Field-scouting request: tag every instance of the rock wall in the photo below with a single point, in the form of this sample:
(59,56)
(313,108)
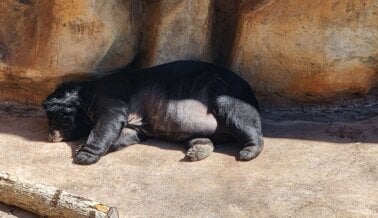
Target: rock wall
(308,51)
(291,52)
(176,30)
(45,42)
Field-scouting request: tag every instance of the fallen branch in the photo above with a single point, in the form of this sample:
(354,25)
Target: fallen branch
(49,201)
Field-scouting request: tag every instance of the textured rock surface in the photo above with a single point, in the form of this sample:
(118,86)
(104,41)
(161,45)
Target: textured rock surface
(307,169)
(43,42)
(308,50)
(291,51)
(177,30)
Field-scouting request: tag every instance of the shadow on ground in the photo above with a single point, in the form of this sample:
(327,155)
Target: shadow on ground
(364,130)
(336,132)
(11,211)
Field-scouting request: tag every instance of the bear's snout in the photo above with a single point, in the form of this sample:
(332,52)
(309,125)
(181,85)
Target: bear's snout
(54,136)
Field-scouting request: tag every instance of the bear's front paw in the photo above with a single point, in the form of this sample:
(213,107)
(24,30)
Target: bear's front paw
(85,158)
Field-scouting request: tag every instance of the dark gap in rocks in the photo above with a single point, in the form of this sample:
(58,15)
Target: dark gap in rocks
(223,29)
(26,2)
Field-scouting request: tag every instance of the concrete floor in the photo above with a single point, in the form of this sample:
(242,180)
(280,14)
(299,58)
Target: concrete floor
(306,169)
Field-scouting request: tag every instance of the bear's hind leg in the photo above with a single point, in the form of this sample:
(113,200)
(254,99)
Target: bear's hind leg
(199,148)
(242,120)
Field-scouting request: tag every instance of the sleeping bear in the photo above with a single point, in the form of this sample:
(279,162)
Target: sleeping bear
(185,101)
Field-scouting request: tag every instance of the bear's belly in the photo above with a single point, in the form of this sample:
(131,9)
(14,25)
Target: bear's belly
(178,119)
(182,119)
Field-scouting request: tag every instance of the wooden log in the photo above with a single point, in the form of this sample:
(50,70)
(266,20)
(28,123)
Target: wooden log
(49,201)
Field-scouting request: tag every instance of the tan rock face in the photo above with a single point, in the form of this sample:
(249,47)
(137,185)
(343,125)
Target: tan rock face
(177,30)
(290,51)
(41,42)
(307,50)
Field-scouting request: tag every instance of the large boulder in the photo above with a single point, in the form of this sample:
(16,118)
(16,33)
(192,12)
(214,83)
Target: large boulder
(307,51)
(44,42)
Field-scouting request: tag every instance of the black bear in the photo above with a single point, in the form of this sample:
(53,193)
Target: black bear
(187,101)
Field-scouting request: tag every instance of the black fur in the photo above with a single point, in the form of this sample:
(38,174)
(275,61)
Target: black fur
(187,101)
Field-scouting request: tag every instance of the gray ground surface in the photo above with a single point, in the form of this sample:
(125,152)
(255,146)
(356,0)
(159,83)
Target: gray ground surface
(306,169)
